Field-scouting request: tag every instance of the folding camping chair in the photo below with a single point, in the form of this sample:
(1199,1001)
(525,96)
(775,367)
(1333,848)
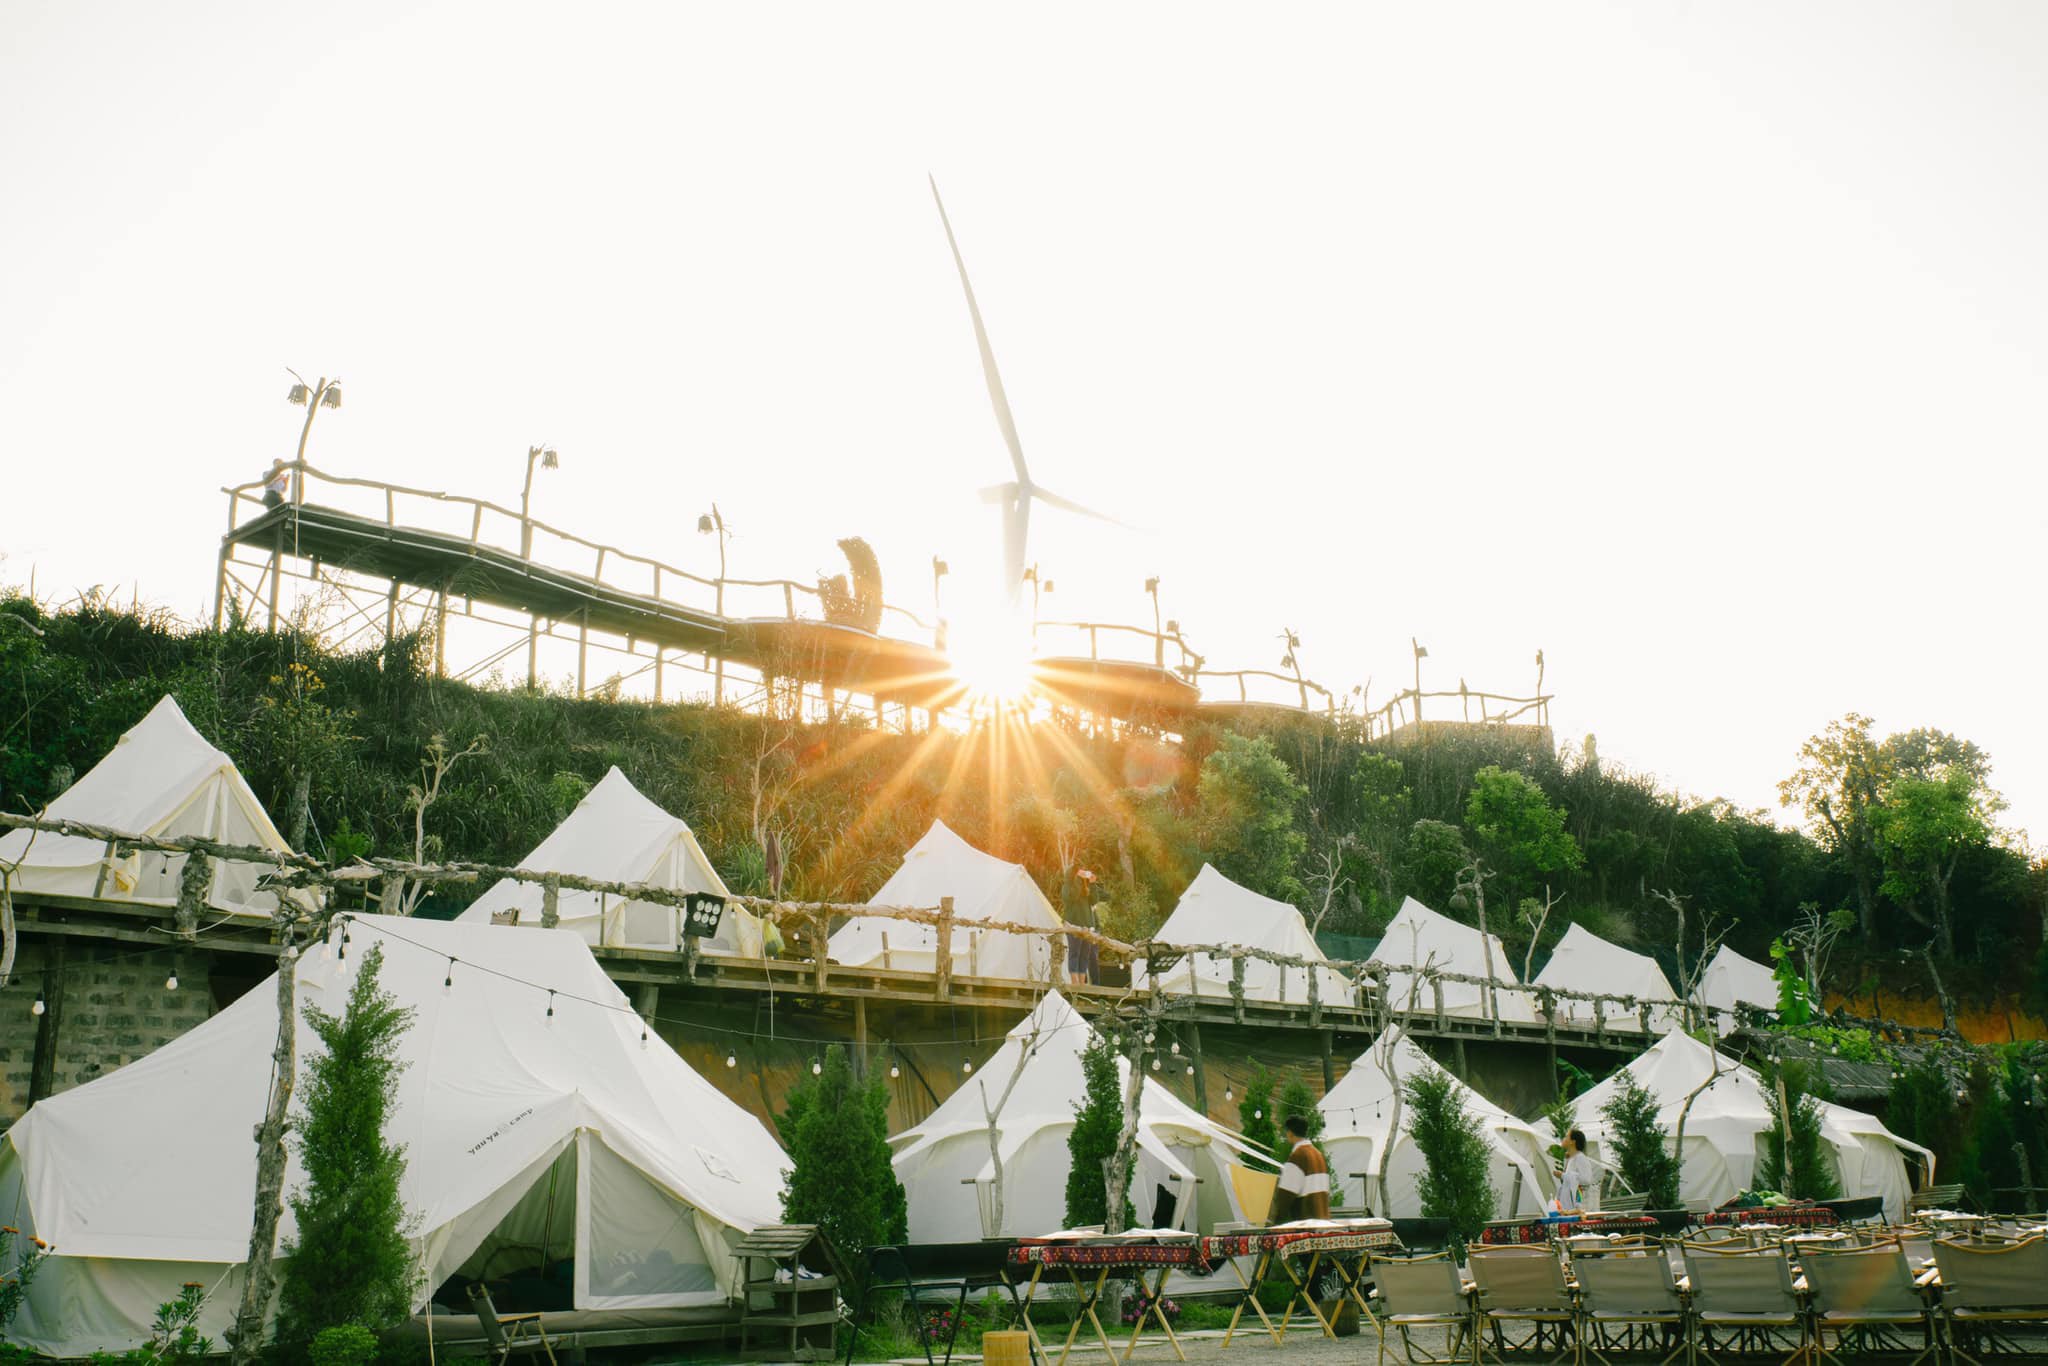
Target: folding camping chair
(1629,1290)
(507,1333)
(1865,1291)
(1526,1285)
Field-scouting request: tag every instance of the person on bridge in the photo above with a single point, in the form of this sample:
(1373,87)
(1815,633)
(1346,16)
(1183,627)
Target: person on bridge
(1077,908)
(277,485)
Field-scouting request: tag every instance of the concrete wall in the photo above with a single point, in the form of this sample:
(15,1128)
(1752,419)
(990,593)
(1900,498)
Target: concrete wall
(115,1008)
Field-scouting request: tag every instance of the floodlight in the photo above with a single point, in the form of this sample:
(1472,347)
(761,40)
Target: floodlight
(299,394)
(332,397)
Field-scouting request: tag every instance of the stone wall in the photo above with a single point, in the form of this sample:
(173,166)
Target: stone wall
(115,1007)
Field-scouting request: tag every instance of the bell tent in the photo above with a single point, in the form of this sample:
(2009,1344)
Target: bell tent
(1359,1118)
(616,834)
(982,886)
(1420,938)
(1729,1123)
(1215,910)
(535,1109)
(1732,980)
(1583,961)
(1183,1156)
(162,779)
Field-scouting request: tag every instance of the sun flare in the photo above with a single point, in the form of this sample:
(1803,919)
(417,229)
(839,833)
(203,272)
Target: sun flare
(993,663)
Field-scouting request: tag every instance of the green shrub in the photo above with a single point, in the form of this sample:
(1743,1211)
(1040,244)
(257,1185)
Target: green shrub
(1797,1160)
(837,1132)
(1295,1099)
(1642,1152)
(173,1337)
(345,1344)
(1456,1184)
(1255,1112)
(350,1262)
(1092,1141)
(14,1287)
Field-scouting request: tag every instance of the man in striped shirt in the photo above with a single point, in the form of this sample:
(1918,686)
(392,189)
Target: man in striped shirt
(1304,1189)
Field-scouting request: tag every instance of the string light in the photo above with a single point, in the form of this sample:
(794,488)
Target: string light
(1191,1069)
(551,1003)
(1176,1048)
(732,1060)
(817,1068)
(171,982)
(1155,1064)
(967,1066)
(448,980)
(894,1071)
(1228,1094)
(37,1008)
(643,1033)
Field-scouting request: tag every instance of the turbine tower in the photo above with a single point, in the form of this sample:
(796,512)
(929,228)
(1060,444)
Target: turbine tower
(1016,496)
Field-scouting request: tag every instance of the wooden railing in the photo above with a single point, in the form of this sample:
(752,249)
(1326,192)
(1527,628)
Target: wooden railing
(488,525)
(1405,709)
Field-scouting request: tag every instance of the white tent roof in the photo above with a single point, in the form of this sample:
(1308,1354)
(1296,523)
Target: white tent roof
(1215,910)
(1583,961)
(1419,937)
(1358,1119)
(1178,1146)
(618,835)
(1731,980)
(162,778)
(1724,1129)
(982,886)
(143,1179)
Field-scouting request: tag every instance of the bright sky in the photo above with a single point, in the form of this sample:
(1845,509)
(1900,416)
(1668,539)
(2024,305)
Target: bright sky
(1700,345)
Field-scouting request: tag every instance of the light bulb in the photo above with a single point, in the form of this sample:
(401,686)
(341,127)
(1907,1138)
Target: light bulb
(551,1005)
(1191,1069)
(643,1033)
(1258,1114)
(731,1060)
(37,1008)
(894,1071)
(171,982)
(967,1066)
(817,1069)
(1176,1047)
(448,980)
(1228,1094)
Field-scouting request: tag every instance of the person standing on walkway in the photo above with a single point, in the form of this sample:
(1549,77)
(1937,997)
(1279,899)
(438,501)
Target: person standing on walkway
(1077,908)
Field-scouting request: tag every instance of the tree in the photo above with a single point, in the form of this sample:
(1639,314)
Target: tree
(1518,829)
(1092,1141)
(1382,811)
(1248,800)
(1431,860)
(1255,1118)
(1795,1161)
(1455,1184)
(836,1130)
(1641,1151)
(1295,1099)
(350,1261)
(1923,829)
(1839,785)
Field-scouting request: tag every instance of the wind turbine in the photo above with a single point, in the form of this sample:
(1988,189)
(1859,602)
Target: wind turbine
(1016,496)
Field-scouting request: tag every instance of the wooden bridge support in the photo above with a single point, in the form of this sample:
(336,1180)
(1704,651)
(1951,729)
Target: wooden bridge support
(1201,1076)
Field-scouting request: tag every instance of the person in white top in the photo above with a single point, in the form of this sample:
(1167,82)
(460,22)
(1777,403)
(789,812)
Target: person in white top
(1579,1180)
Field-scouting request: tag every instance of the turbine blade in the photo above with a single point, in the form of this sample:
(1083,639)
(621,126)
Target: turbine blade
(1053,500)
(996,396)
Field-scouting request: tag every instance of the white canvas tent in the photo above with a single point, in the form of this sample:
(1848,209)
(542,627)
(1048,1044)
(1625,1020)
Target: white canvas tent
(616,834)
(1179,1151)
(162,778)
(1725,1130)
(1583,961)
(1215,910)
(982,886)
(1358,1125)
(1731,980)
(515,1123)
(1418,937)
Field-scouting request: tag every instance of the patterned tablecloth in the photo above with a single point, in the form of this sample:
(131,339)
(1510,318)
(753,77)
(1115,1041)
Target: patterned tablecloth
(1543,1230)
(1298,1242)
(1182,1254)
(1785,1216)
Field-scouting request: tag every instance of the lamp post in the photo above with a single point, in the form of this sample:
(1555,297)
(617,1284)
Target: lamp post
(1038,584)
(326,393)
(939,571)
(1158,640)
(544,457)
(712,523)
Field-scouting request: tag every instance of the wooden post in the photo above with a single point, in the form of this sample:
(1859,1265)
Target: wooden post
(885,950)
(974,953)
(1237,987)
(441,632)
(220,578)
(660,657)
(1599,1018)
(1201,1076)
(1329,1041)
(551,904)
(1436,985)
(582,651)
(820,951)
(258,1284)
(943,961)
(1315,1000)
(1458,1057)
(276,574)
(860,1037)
(42,1071)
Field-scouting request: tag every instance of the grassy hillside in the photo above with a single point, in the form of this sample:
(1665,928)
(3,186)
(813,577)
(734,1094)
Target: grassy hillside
(1300,809)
